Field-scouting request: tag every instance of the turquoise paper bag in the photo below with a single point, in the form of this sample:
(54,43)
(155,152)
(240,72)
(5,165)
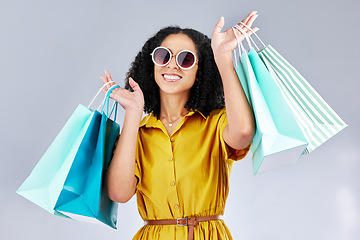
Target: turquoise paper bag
(318,121)
(46,181)
(276,127)
(269,137)
(70,173)
(288,132)
(83,196)
(302,118)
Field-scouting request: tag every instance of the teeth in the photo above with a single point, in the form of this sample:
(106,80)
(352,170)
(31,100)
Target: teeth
(173,77)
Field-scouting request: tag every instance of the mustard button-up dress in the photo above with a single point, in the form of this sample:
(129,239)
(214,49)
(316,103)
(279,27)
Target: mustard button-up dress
(184,175)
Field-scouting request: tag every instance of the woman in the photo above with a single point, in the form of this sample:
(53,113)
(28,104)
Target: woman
(178,158)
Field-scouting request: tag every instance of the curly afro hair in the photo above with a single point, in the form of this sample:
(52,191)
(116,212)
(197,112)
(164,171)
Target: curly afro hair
(207,92)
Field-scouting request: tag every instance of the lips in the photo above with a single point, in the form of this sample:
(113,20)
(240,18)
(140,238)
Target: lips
(171,77)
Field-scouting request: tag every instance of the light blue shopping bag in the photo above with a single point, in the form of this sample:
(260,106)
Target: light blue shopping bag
(276,127)
(288,97)
(83,196)
(288,134)
(75,161)
(46,181)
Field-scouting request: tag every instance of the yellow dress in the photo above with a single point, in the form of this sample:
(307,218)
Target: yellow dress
(184,175)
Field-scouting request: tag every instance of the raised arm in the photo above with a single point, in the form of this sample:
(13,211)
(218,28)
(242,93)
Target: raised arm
(241,124)
(120,180)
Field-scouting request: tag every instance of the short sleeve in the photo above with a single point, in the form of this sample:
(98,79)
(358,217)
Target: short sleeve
(228,152)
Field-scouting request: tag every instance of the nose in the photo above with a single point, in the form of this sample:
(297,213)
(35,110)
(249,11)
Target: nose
(172,63)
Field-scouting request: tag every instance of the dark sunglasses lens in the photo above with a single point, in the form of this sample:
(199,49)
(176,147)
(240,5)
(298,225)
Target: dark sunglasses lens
(186,59)
(161,56)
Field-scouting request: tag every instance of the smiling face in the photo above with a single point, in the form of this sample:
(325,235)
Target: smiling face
(170,78)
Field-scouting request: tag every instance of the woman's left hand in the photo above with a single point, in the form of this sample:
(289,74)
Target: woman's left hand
(223,44)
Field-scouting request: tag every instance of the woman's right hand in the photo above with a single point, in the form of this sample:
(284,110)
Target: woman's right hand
(133,101)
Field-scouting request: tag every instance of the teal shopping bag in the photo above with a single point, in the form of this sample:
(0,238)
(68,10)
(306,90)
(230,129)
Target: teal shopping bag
(288,132)
(270,137)
(319,122)
(46,181)
(276,127)
(69,153)
(316,119)
(83,196)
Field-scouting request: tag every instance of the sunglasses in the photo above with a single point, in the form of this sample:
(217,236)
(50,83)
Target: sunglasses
(185,59)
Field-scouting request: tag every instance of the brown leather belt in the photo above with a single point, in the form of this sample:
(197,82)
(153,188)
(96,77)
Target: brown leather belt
(191,222)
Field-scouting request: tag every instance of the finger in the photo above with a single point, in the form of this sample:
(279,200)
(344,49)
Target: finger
(251,20)
(247,31)
(248,22)
(240,32)
(254,30)
(219,25)
(249,16)
(134,85)
(105,81)
(252,13)
(108,76)
(108,79)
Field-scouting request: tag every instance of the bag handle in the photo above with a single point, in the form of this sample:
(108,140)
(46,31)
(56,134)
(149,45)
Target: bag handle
(97,94)
(107,102)
(240,46)
(254,34)
(114,107)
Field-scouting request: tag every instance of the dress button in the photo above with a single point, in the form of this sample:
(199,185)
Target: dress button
(172,183)
(172,139)
(171,159)
(176,206)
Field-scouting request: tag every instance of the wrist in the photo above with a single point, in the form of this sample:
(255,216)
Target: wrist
(134,113)
(223,60)
(224,64)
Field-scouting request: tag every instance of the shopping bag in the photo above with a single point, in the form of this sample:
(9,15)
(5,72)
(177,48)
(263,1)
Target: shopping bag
(276,127)
(46,181)
(75,140)
(270,136)
(316,118)
(289,134)
(83,196)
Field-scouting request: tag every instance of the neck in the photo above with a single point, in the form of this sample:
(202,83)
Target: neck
(172,106)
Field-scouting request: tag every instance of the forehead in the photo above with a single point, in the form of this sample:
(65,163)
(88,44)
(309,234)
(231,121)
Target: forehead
(178,42)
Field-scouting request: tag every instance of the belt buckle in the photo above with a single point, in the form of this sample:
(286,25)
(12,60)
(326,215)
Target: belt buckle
(179,224)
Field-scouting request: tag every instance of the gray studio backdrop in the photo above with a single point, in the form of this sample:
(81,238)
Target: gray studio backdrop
(53,52)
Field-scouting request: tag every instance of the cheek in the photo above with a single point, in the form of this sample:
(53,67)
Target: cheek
(157,73)
(194,72)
